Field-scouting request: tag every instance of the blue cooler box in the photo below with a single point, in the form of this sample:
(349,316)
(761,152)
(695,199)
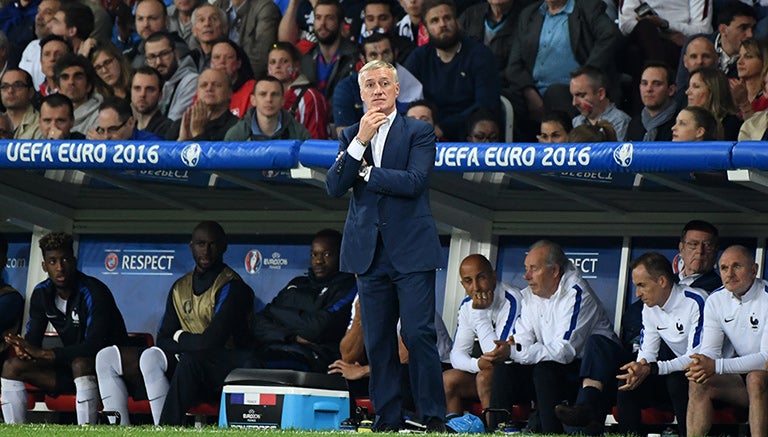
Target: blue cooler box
(263,398)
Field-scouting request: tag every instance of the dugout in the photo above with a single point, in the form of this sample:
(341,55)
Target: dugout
(605,203)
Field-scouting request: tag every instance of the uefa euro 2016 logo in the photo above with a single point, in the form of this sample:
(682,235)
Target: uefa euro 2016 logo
(622,154)
(253,261)
(190,154)
(110,262)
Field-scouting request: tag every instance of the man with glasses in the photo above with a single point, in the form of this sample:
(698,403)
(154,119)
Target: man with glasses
(75,78)
(180,78)
(57,118)
(116,122)
(698,249)
(16,93)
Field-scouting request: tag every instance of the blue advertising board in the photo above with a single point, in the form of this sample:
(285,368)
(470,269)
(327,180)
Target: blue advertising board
(141,270)
(17,266)
(596,258)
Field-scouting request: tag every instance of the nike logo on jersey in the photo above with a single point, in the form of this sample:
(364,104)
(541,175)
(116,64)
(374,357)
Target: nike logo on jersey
(727,320)
(659,328)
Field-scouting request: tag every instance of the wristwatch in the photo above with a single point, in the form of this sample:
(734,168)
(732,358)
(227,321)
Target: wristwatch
(359,141)
(364,171)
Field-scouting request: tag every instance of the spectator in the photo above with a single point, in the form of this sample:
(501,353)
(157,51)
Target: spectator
(180,77)
(699,53)
(348,106)
(488,313)
(650,380)
(116,122)
(16,94)
(738,377)
(180,20)
(146,92)
(533,68)
(453,69)
(300,329)
(334,57)
(52,48)
(17,23)
(656,30)
(208,119)
(483,127)
(298,23)
(601,132)
(152,17)
(735,23)
(231,59)
(74,23)
(425,110)
(30,58)
(550,345)
(113,69)
(411,26)
(302,100)
(12,303)
(555,127)
(267,120)
(4,53)
(221,307)
(709,89)
(378,17)
(695,123)
(654,123)
(91,322)
(589,88)
(76,79)
(752,66)
(253,26)
(57,118)
(492,22)
(209,24)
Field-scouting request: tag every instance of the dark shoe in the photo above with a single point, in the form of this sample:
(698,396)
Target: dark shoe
(575,415)
(379,427)
(436,424)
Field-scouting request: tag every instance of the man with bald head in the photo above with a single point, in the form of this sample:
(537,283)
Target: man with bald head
(737,313)
(488,313)
(699,53)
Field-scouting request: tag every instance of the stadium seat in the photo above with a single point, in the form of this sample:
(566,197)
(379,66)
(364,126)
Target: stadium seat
(509,119)
(365,403)
(203,410)
(66,402)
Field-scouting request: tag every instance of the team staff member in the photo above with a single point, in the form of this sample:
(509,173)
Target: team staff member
(207,311)
(488,312)
(390,242)
(673,314)
(559,317)
(737,313)
(11,302)
(83,312)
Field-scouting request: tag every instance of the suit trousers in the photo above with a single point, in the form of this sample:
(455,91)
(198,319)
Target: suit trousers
(386,295)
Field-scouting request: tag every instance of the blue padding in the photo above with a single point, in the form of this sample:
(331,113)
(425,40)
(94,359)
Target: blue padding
(534,157)
(168,155)
(750,154)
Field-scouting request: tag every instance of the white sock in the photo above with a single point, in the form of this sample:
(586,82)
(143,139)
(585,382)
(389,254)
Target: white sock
(114,393)
(14,401)
(153,365)
(87,400)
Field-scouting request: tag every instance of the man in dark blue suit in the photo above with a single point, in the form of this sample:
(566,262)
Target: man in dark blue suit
(390,242)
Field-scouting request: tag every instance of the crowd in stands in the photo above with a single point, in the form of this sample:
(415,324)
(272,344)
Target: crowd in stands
(634,64)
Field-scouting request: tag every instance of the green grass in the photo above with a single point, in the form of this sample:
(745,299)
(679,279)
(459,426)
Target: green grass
(49,430)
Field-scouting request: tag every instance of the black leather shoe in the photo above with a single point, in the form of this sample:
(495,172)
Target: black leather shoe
(575,415)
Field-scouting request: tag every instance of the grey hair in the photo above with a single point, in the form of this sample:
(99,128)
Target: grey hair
(375,65)
(555,254)
(222,15)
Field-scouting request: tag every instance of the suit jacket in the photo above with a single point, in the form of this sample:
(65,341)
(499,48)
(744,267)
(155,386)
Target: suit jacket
(256,22)
(594,41)
(394,202)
